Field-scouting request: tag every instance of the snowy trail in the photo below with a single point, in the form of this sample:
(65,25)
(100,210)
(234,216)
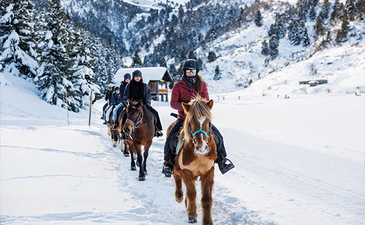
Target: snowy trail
(287,172)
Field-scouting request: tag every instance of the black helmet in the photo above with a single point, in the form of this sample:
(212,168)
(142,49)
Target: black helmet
(191,63)
(137,73)
(117,89)
(127,76)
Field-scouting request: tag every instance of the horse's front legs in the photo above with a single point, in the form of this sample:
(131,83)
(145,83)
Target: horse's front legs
(179,194)
(141,176)
(145,156)
(207,183)
(190,199)
(132,150)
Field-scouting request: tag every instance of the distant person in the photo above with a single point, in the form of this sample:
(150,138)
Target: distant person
(119,107)
(116,99)
(108,97)
(138,90)
(189,86)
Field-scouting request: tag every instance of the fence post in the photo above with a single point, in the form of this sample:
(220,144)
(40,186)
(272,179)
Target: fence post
(91,98)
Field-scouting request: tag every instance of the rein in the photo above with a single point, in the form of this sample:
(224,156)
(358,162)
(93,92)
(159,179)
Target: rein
(136,125)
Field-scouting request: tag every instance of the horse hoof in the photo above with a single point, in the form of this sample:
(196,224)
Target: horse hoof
(192,220)
(141,178)
(126,154)
(133,168)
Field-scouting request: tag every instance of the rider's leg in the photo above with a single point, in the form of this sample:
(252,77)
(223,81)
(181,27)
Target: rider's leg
(168,154)
(115,115)
(158,122)
(108,114)
(103,112)
(224,163)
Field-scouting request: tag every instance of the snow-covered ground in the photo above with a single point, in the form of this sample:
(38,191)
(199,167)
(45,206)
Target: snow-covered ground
(298,161)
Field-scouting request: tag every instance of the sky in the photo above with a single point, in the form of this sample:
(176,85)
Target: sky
(298,161)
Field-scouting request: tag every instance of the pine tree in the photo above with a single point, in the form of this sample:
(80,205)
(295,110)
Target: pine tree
(342,33)
(258,18)
(17,31)
(137,62)
(217,73)
(319,26)
(274,47)
(212,56)
(265,48)
(312,13)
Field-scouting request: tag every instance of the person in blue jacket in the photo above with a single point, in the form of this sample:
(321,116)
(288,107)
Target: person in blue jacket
(116,99)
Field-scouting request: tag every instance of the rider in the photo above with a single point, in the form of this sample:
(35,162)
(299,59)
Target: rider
(108,97)
(123,84)
(186,88)
(138,90)
(116,99)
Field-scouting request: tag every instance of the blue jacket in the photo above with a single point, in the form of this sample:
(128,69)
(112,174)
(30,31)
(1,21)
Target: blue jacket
(116,98)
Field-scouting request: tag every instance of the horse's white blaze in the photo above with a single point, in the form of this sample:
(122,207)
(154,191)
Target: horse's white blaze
(204,149)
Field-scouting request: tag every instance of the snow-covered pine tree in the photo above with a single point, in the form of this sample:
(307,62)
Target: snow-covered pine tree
(17,29)
(217,73)
(258,18)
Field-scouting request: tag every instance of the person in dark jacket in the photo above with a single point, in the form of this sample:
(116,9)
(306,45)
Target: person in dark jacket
(107,98)
(119,107)
(187,87)
(138,90)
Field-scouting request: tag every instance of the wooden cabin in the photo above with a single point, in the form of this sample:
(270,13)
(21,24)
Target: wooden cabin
(157,79)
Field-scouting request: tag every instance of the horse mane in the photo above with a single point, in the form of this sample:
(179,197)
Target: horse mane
(146,112)
(198,108)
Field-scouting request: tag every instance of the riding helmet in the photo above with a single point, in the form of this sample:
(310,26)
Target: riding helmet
(127,76)
(137,73)
(191,63)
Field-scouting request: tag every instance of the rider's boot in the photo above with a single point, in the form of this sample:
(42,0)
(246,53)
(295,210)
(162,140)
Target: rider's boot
(167,168)
(158,133)
(225,165)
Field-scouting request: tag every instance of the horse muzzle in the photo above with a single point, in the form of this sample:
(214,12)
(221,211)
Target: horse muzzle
(202,150)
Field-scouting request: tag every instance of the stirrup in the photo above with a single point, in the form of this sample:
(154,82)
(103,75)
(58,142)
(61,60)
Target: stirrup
(167,171)
(225,166)
(115,126)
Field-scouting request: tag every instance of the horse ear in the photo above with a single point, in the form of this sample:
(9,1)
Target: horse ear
(139,104)
(186,107)
(210,103)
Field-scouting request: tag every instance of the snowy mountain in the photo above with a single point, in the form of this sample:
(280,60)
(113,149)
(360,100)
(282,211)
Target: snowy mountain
(238,60)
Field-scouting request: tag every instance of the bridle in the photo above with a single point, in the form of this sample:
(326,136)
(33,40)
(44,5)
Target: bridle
(207,135)
(138,122)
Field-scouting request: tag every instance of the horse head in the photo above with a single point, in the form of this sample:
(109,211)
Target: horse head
(197,125)
(134,112)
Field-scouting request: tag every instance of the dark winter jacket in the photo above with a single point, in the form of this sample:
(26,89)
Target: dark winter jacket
(108,96)
(145,93)
(182,92)
(122,88)
(116,98)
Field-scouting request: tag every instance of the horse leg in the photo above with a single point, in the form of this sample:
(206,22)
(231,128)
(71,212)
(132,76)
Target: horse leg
(190,200)
(179,194)
(141,176)
(133,164)
(145,156)
(207,182)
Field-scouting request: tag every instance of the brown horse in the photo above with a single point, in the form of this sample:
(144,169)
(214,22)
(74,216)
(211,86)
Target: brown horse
(140,128)
(195,158)
(122,143)
(112,133)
